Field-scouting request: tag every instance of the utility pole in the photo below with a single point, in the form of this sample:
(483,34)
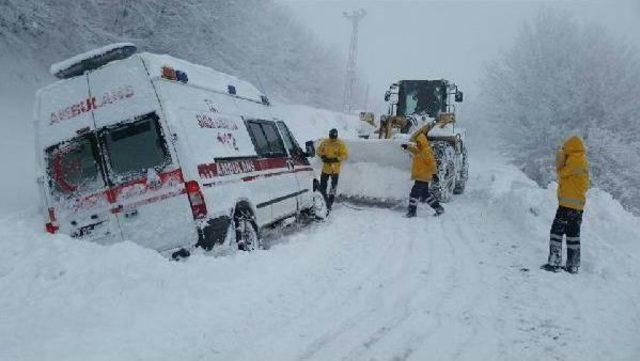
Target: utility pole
(124,15)
(354,18)
(366,99)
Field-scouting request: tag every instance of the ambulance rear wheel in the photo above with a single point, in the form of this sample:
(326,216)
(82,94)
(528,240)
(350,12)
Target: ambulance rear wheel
(247,236)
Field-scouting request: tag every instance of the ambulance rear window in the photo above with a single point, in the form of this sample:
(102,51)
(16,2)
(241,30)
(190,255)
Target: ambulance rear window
(133,148)
(72,166)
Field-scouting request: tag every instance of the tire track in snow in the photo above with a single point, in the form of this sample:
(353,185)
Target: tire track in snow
(402,275)
(475,276)
(459,287)
(410,263)
(364,284)
(442,284)
(459,296)
(382,268)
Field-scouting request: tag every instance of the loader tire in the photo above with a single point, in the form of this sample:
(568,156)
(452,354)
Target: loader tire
(463,173)
(445,181)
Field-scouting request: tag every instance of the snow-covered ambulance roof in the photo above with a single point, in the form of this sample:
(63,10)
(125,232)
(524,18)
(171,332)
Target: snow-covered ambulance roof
(202,76)
(198,75)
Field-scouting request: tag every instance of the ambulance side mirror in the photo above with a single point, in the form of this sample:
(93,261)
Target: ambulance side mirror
(310,149)
(459,96)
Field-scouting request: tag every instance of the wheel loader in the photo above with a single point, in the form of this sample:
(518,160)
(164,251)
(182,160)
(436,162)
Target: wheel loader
(414,107)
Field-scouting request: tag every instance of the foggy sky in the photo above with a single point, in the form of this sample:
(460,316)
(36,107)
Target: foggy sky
(451,40)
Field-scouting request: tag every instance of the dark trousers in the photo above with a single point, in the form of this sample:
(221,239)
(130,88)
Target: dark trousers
(420,192)
(567,223)
(324,177)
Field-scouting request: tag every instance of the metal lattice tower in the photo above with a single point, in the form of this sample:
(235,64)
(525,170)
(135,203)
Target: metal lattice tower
(355,18)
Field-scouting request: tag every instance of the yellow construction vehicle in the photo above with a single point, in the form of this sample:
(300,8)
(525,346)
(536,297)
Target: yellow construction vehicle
(416,106)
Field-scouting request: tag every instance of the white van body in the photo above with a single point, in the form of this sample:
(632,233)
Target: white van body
(127,152)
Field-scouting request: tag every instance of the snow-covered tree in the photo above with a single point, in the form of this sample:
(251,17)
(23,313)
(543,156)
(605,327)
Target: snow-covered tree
(560,78)
(257,40)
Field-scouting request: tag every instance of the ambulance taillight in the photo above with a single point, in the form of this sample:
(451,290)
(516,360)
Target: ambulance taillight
(196,199)
(52,225)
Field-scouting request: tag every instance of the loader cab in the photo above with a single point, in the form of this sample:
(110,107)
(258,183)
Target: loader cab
(426,97)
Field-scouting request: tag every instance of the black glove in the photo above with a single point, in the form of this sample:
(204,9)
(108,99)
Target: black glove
(404,145)
(332,160)
(325,159)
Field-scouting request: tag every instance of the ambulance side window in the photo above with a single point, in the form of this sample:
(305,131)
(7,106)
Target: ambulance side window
(266,139)
(292,145)
(273,137)
(258,137)
(288,142)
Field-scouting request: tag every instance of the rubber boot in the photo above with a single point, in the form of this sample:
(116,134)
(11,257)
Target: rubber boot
(330,200)
(412,211)
(573,255)
(555,256)
(572,269)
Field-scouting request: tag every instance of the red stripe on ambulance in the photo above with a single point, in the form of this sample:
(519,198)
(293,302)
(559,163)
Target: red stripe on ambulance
(225,167)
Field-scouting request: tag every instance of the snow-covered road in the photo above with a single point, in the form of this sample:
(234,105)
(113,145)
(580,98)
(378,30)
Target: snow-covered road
(365,285)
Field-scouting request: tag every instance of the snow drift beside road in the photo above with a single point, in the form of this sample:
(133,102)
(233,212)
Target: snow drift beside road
(365,285)
(308,123)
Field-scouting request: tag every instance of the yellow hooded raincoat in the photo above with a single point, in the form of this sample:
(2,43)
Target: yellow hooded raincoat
(333,149)
(424,163)
(573,174)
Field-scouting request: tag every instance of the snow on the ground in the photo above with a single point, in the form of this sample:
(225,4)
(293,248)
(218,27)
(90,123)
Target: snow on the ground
(365,285)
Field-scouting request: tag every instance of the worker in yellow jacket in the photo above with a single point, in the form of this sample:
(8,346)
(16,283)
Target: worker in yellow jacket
(333,152)
(573,182)
(423,168)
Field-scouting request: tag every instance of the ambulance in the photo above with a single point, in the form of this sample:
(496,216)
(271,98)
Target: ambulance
(165,153)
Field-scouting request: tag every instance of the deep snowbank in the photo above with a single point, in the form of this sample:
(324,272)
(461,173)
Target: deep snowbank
(366,284)
(308,123)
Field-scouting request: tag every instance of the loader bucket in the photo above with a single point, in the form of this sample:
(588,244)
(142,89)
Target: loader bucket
(383,152)
(377,173)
